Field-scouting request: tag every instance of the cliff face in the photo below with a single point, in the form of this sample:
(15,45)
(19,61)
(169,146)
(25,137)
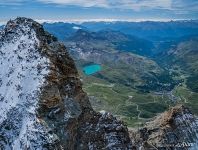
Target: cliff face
(175,129)
(42,104)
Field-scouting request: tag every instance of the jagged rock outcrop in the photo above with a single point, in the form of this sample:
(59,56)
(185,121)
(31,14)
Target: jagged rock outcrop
(176,129)
(42,104)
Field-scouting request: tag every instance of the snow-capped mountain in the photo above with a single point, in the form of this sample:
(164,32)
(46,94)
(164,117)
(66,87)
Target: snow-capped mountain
(22,75)
(42,104)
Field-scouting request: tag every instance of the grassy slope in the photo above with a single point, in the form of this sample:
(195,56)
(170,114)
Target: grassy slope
(109,91)
(119,98)
(183,61)
(123,101)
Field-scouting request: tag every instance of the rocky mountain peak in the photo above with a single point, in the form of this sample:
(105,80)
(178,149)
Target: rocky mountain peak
(173,129)
(42,104)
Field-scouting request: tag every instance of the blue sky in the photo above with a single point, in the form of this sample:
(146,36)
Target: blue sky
(99,9)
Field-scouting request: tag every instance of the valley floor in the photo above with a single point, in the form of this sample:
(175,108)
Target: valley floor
(131,105)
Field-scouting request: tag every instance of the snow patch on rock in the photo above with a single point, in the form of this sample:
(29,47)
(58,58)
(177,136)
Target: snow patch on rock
(22,75)
(77,28)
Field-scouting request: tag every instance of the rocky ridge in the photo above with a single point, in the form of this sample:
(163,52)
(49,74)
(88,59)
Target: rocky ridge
(42,104)
(175,129)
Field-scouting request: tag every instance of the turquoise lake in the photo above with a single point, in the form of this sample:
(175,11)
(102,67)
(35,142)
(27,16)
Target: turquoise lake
(91,69)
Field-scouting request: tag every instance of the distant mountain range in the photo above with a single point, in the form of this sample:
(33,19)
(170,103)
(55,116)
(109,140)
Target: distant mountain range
(163,35)
(147,29)
(146,66)
(1,27)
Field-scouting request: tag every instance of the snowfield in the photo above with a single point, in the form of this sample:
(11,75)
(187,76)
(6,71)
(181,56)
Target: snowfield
(22,74)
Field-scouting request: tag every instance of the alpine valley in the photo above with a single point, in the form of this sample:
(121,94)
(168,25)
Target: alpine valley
(147,67)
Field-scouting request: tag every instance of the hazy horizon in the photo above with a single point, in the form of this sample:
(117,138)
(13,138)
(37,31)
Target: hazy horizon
(80,21)
(137,10)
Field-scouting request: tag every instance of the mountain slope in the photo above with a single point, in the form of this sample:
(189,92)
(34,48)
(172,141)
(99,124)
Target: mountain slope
(148,29)
(107,40)
(1,27)
(42,104)
(184,56)
(62,30)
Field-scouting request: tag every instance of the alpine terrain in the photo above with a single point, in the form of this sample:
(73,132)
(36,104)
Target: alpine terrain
(43,105)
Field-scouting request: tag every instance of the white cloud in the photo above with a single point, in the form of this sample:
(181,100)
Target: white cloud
(11,2)
(80,21)
(137,5)
(123,4)
(83,3)
(191,5)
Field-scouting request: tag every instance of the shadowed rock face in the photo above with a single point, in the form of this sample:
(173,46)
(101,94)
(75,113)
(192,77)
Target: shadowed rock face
(42,104)
(175,129)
